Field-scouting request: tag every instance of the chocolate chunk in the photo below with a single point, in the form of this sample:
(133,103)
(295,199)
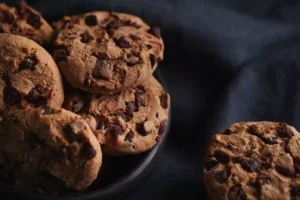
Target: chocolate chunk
(135,37)
(86,37)
(61,54)
(155,31)
(115,24)
(164,101)
(103,56)
(140,128)
(139,100)
(284,131)
(69,133)
(227,131)
(34,94)
(14,29)
(153,59)
(8,17)
(129,137)
(253,129)
(101,122)
(126,117)
(271,140)
(251,165)
(74,103)
(87,81)
(121,42)
(69,24)
(11,96)
(34,20)
(162,128)
(91,20)
(283,169)
(88,151)
(47,110)
(104,69)
(210,162)
(236,192)
(221,175)
(130,107)
(116,130)
(149,46)
(222,156)
(28,62)
(295,191)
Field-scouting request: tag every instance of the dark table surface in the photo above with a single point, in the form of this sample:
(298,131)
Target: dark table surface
(225,62)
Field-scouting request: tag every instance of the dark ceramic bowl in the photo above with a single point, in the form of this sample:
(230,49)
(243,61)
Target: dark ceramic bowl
(118,175)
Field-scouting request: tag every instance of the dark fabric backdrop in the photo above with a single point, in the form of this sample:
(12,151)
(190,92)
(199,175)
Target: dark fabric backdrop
(226,61)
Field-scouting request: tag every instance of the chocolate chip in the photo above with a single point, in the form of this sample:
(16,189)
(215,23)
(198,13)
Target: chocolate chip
(69,133)
(74,102)
(91,20)
(227,131)
(222,156)
(130,107)
(1,30)
(139,100)
(11,96)
(271,140)
(86,37)
(284,131)
(135,37)
(47,110)
(232,147)
(132,60)
(88,151)
(104,69)
(295,191)
(253,129)
(221,175)
(61,54)
(236,192)
(115,24)
(126,117)
(34,94)
(28,62)
(162,128)
(149,46)
(101,123)
(34,20)
(155,31)
(251,165)
(129,137)
(210,162)
(69,24)
(140,128)
(164,101)
(6,78)
(34,142)
(116,130)
(153,59)
(121,42)
(134,24)
(103,56)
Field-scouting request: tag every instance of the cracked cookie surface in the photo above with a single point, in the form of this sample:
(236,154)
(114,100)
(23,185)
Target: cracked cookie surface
(254,160)
(29,76)
(105,53)
(25,21)
(48,150)
(129,122)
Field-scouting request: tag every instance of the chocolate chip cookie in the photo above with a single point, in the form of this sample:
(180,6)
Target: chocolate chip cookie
(29,76)
(105,53)
(254,160)
(129,122)
(48,150)
(25,21)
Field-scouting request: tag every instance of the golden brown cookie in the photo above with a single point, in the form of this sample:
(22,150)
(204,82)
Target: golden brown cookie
(25,21)
(48,150)
(254,160)
(29,76)
(105,53)
(129,122)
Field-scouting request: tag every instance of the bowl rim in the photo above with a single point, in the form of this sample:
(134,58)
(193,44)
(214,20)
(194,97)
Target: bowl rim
(121,185)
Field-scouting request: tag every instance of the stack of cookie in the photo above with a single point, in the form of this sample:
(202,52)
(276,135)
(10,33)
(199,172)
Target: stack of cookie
(53,129)
(254,160)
